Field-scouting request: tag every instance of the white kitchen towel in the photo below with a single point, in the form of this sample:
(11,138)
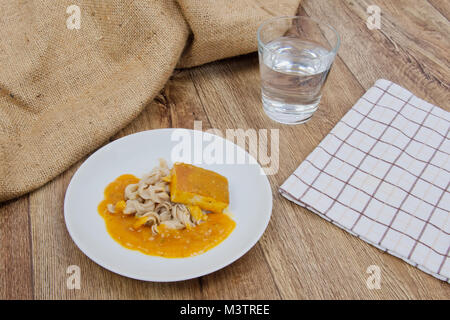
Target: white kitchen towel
(383,174)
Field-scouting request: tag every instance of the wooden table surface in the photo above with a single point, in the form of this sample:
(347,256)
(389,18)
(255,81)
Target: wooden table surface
(300,256)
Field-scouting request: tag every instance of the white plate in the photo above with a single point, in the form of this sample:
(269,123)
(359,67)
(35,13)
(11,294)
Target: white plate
(250,204)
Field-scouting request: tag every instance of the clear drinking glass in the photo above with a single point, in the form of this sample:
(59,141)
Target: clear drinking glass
(295,56)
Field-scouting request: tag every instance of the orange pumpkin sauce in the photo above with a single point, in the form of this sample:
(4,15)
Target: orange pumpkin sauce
(167,243)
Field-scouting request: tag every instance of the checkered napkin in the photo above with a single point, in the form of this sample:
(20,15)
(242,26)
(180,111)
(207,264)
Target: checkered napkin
(383,174)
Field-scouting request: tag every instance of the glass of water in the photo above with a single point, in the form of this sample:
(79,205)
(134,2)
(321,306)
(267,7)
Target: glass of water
(295,56)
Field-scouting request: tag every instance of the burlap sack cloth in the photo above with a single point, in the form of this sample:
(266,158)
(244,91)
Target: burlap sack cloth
(64,92)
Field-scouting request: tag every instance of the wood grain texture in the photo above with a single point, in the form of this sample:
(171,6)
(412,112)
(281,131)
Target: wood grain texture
(300,256)
(442,6)
(16,267)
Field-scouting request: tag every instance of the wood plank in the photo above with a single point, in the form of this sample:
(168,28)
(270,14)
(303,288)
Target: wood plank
(410,48)
(16,281)
(248,278)
(442,6)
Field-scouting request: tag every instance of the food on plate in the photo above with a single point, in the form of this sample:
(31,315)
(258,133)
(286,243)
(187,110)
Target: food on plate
(172,213)
(196,186)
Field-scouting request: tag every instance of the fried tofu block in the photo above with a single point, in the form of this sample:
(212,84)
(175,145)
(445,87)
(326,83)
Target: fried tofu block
(196,186)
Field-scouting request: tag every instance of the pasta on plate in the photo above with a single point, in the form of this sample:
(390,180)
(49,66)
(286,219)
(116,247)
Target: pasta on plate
(144,215)
(149,200)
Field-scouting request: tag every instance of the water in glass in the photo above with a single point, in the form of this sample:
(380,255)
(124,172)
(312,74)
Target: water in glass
(293,72)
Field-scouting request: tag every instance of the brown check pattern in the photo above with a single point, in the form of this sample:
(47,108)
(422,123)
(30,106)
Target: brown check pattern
(383,174)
